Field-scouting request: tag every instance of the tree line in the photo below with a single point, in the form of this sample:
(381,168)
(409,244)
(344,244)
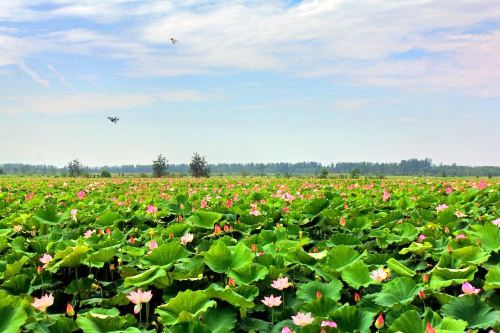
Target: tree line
(199,167)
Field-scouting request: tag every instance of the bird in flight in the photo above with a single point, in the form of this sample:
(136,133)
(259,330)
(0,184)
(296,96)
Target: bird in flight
(173,40)
(114,119)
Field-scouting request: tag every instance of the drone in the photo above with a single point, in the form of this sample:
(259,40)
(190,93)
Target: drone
(114,119)
(173,40)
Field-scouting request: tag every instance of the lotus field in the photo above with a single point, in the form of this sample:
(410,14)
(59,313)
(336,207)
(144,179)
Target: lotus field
(408,255)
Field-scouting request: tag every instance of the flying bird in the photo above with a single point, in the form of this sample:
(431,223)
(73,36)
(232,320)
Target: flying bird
(173,40)
(114,119)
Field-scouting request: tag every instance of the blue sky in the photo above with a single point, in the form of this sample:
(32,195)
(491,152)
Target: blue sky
(321,80)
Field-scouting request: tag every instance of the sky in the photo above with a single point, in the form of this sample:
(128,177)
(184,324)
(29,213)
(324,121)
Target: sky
(249,81)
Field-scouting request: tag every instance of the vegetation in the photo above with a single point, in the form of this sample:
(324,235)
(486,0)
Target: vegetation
(105,174)
(411,167)
(75,168)
(160,167)
(199,167)
(336,255)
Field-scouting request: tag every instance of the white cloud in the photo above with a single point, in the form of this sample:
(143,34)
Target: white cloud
(34,75)
(96,102)
(356,41)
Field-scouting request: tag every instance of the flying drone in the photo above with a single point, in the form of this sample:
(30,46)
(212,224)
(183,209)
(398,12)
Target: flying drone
(114,119)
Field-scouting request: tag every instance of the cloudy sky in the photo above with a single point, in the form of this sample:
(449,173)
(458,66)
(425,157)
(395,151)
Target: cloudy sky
(260,80)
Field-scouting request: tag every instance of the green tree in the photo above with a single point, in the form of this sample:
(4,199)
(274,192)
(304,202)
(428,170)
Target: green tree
(105,174)
(75,168)
(261,169)
(199,166)
(2,172)
(355,173)
(160,167)
(323,174)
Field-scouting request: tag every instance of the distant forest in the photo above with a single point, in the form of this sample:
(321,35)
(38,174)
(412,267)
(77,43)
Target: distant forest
(410,167)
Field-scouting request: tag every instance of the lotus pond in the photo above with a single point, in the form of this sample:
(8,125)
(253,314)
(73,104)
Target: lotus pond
(408,255)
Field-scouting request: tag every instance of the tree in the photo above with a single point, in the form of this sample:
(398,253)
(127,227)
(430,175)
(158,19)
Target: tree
(75,168)
(355,173)
(160,167)
(323,174)
(261,169)
(199,166)
(2,172)
(105,174)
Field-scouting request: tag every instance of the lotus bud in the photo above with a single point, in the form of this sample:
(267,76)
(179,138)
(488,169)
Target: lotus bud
(231,282)
(171,235)
(379,323)
(421,294)
(70,311)
(357,298)
(425,278)
(39,269)
(254,247)
(318,294)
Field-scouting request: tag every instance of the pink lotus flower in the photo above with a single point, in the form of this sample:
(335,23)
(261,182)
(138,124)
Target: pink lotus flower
(153,245)
(204,204)
(496,222)
(43,302)
(441,207)
(73,214)
(385,195)
(88,233)
(449,190)
(272,301)
(459,214)
(302,319)
(286,330)
(281,283)
(81,195)
(45,259)
(151,209)
(285,210)
(380,274)
(421,237)
(481,185)
(460,236)
(254,211)
(187,238)
(326,323)
(469,289)
(229,203)
(138,297)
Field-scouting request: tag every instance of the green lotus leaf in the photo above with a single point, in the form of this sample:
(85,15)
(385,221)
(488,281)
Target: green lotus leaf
(401,290)
(221,259)
(444,277)
(204,219)
(450,325)
(101,321)
(492,278)
(191,327)
(248,273)
(145,278)
(471,255)
(167,254)
(489,236)
(408,322)
(417,248)
(186,306)
(70,257)
(12,314)
(102,256)
(308,291)
(357,275)
(108,219)
(19,284)
(220,320)
(399,268)
(314,207)
(471,309)
(340,257)
(238,297)
(15,267)
(321,307)
(351,318)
